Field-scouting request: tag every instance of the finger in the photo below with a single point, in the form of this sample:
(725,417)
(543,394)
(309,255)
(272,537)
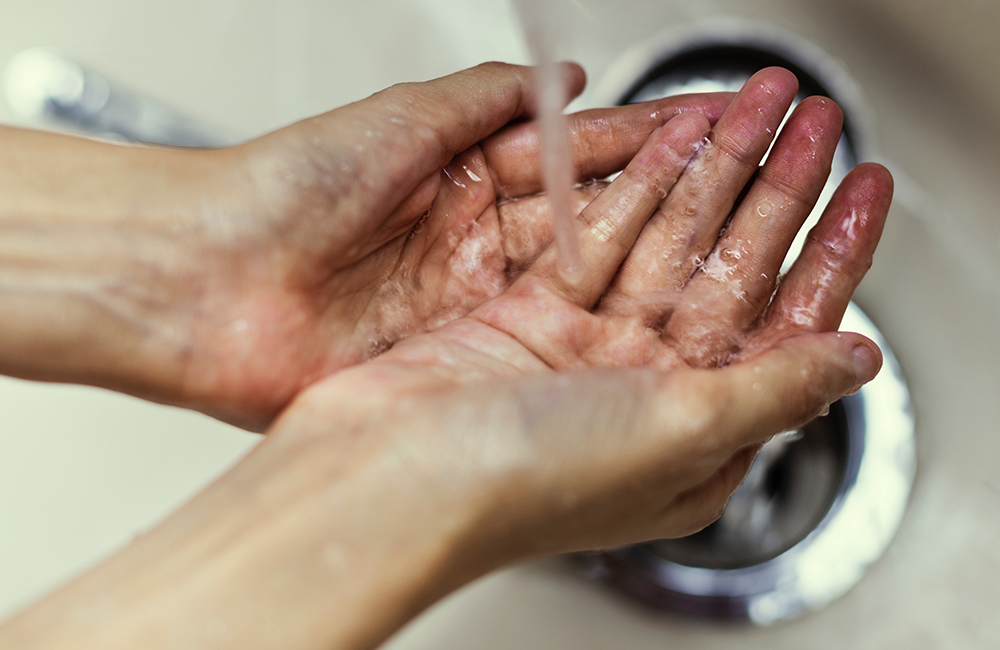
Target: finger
(602,140)
(393,140)
(686,227)
(613,220)
(788,385)
(737,279)
(455,112)
(526,225)
(701,506)
(838,252)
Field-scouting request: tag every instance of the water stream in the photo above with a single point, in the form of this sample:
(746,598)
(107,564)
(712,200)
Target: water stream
(541,21)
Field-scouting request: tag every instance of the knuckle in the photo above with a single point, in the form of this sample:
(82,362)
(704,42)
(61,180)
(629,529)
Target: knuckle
(796,192)
(645,177)
(495,66)
(739,152)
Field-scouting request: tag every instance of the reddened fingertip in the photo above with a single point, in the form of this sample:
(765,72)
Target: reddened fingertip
(866,366)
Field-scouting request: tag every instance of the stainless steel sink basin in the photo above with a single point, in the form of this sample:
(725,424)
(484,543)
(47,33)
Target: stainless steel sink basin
(83,471)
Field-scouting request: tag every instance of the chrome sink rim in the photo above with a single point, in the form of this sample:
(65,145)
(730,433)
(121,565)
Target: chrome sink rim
(627,73)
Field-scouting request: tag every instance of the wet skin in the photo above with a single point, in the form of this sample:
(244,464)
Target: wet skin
(440,211)
(385,218)
(676,279)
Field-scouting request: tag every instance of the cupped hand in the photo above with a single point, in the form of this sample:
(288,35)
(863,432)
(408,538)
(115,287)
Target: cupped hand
(340,235)
(629,403)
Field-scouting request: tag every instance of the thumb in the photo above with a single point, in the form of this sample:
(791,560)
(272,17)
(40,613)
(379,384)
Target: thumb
(453,113)
(792,383)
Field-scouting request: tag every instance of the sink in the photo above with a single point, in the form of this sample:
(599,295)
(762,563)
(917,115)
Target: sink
(83,471)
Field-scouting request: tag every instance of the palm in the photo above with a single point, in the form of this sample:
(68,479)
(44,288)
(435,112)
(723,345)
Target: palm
(463,246)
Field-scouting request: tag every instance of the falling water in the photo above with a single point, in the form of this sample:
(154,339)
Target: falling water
(541,20)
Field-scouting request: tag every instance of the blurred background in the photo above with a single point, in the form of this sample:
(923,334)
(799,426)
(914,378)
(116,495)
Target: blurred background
(83,471)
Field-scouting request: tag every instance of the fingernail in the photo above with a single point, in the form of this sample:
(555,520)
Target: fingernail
(866,366)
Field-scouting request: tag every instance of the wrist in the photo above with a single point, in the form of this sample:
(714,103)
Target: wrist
(98,256)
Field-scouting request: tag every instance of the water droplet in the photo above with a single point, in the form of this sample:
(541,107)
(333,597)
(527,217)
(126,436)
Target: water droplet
(453,179)
(793,436)
(662,193)
(471,174)
(825,412)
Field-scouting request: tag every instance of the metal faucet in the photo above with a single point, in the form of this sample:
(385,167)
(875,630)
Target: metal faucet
(45,87)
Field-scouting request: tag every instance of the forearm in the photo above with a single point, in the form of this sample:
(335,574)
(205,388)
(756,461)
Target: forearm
(297,548)
(91,259)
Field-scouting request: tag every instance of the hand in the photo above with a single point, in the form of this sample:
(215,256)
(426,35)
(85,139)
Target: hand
(382,219)
(555,416)
(489,405)
(228,280)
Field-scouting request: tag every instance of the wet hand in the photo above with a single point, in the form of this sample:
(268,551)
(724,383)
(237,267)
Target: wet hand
(628,404)
(340,235)
(556,415)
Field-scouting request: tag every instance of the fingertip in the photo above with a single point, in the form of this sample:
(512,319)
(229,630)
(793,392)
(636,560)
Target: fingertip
(822,109)
(671,145)
(711,105)
(866,364)
(775,80)
(687,129)
(694,121)
(877,179)
(576,79)
(870,182)
(866,357)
